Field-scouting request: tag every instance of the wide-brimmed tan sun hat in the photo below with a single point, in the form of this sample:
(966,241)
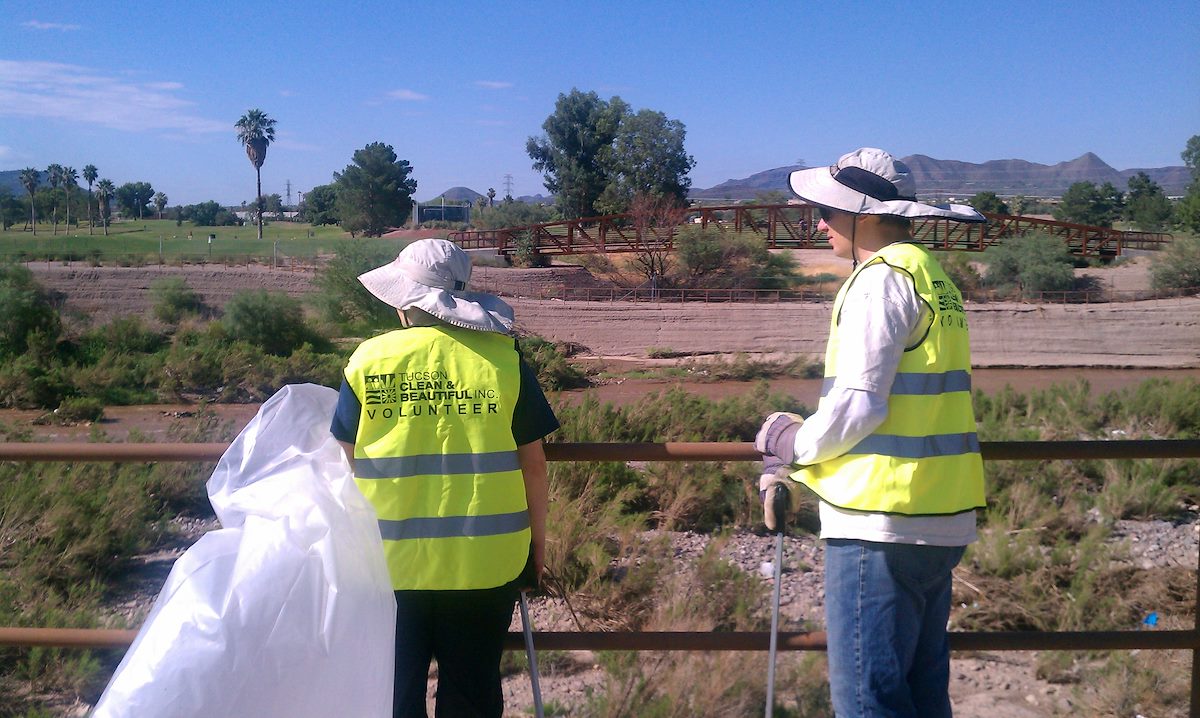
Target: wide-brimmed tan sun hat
(432,275)
(871,181)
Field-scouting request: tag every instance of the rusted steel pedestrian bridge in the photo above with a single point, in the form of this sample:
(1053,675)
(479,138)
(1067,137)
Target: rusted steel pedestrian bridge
(789,226)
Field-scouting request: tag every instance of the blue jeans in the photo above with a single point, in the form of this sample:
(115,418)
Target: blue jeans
(886,607)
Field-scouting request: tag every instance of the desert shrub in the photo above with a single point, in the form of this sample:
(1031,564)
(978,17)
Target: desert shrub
(341,298)
(206,363)
(248,375)
(174,300)
(120,379)
(549,361)
(270,320)
(1177,266)
(26,382)
(123,335)
(1030,264)
(79,408)
(27,309)
(709,257)
(525,251)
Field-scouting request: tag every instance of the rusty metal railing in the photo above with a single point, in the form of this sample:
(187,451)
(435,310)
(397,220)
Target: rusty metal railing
(683,641)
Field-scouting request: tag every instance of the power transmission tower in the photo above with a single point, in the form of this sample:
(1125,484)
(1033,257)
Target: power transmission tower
(289,193)
(508,185)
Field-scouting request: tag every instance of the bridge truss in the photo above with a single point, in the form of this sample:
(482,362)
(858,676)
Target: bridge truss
(789,226)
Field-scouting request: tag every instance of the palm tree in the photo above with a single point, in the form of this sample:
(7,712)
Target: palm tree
(104,190)
(70,180)
(255,131)
(29,180)
(54,179)
(491,196)
(90,173)
(160,201)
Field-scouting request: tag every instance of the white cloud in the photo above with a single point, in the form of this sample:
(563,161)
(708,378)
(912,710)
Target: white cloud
(287,93)
(38,25)
(407,95)
(5,152)
(494,84)
(70,93)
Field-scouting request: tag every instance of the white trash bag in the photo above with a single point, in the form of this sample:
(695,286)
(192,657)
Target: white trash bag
(288,609)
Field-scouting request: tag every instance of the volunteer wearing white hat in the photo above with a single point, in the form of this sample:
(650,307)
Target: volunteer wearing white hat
(443,422)
(891,451)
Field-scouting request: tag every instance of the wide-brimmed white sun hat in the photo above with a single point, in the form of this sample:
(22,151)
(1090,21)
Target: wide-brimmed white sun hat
(432,275)
(871,181)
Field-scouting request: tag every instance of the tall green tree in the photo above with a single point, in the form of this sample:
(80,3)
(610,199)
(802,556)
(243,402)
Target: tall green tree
(134,198)
(11,210)
(273,203)
(573,148)
(70,180)
(646,158)
(1188,211)
(374,193)
(54,179)
(1147,205)
(1191,156)
(90,173)
(256,131)
(160,203)
(320,205)
(104,193)
(1085,203)
(30,178)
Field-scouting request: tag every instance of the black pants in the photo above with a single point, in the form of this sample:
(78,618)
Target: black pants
(464,631)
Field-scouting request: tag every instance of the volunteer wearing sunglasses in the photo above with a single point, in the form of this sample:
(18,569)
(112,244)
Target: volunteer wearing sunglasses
(891,451)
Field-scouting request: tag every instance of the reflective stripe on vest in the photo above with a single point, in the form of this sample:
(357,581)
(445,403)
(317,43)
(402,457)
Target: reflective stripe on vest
(449,526)
(397,467)
(924,459)
(436,458)
(920,383)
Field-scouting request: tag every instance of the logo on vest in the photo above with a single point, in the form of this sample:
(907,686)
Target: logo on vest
(380,389)
(427,393)
(949,303)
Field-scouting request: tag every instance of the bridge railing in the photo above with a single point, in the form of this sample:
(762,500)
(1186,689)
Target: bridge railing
(789,226)
(1185,639)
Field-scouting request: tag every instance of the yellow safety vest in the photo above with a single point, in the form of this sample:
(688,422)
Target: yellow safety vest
(435,455)
(924,459)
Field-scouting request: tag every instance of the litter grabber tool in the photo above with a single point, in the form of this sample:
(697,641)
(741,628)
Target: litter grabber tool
(532,655)
(776,504)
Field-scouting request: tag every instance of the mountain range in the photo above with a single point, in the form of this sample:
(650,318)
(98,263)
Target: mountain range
(952,178)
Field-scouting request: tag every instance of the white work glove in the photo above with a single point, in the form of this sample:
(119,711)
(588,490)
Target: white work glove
(773,479)
(777,435)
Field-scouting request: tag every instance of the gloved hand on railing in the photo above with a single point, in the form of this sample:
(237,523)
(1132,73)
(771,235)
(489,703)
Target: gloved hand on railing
(773,491)
(777,435)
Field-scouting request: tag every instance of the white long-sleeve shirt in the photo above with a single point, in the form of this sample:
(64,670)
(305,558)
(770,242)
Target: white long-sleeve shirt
(880,316)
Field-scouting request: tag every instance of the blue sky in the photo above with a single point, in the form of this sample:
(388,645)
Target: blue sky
(150,91)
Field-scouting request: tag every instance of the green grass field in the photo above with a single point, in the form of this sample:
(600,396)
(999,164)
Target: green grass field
(152,241)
